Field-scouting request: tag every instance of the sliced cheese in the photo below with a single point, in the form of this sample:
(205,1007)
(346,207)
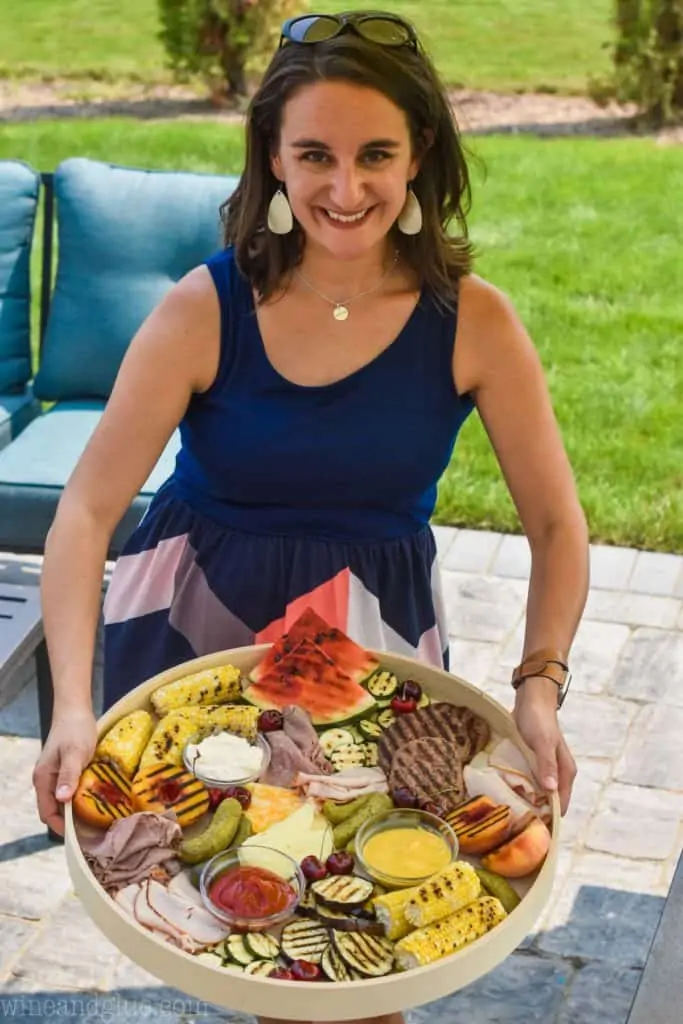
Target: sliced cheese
(305,832)
(270,804)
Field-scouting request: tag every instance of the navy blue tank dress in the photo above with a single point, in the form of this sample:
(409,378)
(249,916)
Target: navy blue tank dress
(286,496)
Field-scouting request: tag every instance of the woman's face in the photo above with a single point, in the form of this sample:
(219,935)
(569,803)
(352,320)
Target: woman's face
(345,157)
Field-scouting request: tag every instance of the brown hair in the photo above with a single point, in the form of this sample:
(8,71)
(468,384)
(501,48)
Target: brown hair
(408,78)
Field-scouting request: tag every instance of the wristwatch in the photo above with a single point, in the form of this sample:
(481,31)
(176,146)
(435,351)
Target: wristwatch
(550,664)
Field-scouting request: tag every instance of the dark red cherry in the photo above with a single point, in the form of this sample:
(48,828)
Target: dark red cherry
(410,690)
(404,797)
(340,863)
(239,793)
(434,807)
(270,721)
(313,869)
(403,707)
(303,970)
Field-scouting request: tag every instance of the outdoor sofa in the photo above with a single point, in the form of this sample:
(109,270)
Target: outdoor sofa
(124,237)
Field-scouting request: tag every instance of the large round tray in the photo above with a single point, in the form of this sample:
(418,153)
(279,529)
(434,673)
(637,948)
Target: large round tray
(318,1001)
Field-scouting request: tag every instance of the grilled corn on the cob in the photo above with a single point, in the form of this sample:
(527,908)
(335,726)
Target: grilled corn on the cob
(123,745)
(443,894)
(242,719)
(390,912)
(191,724)
(444,937)
(212,686)
(169,738)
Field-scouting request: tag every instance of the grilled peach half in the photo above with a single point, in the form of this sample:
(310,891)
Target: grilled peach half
(103,794)
(522,854)
(166,787)
(480,824)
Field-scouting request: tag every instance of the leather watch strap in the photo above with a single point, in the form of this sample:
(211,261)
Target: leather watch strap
(548,662)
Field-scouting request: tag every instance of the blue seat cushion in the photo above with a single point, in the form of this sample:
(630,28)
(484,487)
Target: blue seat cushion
(125,237)
(16,412)
(19,188)
(35,467)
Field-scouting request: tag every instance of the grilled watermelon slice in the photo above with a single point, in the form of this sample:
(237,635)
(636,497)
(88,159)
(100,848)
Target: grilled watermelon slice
(307,677)
(351,659)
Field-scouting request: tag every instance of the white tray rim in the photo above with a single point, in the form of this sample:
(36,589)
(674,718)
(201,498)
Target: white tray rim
(305,1001)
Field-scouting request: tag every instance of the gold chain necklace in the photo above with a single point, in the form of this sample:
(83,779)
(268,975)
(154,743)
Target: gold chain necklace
(340,311)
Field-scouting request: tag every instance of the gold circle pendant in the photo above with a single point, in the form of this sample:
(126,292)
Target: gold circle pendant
(340,313)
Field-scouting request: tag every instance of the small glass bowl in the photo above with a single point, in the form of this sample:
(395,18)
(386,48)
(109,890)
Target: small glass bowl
(193,767)
(403,818)
(278,863)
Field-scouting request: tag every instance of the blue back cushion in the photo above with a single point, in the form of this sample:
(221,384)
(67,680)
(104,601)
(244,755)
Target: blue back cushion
(19,188)
(125,237)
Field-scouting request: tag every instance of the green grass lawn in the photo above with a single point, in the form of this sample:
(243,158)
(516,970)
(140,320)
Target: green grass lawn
(483,44)
(580,233)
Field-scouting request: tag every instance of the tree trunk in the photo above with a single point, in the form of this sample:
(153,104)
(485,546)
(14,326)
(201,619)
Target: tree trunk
(234,55)
(628,19)
(669,29)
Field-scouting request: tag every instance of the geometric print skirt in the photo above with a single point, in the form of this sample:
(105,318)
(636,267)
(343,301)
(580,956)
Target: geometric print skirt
(186,586)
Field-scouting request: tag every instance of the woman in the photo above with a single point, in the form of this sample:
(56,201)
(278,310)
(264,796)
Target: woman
(320,369)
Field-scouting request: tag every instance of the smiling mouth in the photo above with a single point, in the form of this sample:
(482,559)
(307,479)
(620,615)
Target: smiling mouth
(347,218)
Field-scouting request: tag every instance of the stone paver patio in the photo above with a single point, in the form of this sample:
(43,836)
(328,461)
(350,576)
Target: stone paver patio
(620,841)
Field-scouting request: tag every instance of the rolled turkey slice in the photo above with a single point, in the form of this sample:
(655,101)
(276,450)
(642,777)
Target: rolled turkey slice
(126,897)
(148,918)
(198,924)
(180,885)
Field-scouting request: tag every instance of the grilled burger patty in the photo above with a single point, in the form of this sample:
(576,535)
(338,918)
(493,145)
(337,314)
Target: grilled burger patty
(464,730)
(432,769)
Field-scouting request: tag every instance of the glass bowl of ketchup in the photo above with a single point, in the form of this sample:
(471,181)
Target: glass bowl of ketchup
(252,888)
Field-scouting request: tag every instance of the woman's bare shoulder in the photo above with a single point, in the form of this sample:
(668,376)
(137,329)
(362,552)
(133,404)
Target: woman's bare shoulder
(189,317)
(489,328)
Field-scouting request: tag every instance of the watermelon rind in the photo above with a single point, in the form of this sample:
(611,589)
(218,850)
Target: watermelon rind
(361,707)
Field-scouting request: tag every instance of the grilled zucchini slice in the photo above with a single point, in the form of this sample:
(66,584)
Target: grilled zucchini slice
(349,755)
(371,754)
(260,968)
(237,951)
(304,940)
(261,945)
(371,956)
(333,738)
(386,718)
(370,729)
(333,966)
(343,892)
(383,684)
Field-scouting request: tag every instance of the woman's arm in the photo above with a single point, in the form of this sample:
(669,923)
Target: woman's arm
(496,361)
(174,354)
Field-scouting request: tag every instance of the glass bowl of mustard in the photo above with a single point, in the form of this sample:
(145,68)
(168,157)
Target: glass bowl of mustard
(405,847)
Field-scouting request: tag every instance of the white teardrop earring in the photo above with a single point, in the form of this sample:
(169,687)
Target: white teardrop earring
(280,219)
(410,218)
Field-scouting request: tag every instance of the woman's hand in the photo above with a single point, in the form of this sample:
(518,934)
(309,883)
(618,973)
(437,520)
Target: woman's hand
(68,749)
(535,714)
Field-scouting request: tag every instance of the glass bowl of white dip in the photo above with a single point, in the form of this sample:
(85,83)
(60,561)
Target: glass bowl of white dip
(224,759)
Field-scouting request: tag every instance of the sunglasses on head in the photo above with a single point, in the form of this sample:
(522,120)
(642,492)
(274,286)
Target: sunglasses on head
(383,29)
